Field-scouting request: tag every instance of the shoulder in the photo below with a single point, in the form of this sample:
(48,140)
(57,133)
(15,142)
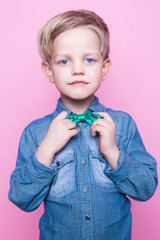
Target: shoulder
(40,122)
(37,129)
(119,115)
(116,114)
(123,120)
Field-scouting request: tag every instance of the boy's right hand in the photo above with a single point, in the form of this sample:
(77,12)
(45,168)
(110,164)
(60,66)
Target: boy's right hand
(59,133)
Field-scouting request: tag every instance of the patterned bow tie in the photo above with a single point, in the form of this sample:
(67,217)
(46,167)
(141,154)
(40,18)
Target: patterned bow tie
(88,117)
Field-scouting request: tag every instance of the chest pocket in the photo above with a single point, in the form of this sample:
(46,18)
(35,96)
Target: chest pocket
(63,182)
(99,163)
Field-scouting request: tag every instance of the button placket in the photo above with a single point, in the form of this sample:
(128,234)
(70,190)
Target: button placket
(85,186)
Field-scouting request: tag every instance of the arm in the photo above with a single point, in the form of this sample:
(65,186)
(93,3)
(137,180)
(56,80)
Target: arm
(132,169)
(136,174)
(31,179)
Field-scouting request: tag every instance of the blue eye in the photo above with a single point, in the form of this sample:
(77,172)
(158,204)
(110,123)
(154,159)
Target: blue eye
(89,60)
(64,62)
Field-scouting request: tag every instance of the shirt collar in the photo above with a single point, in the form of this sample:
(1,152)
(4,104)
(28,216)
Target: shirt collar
(94,106)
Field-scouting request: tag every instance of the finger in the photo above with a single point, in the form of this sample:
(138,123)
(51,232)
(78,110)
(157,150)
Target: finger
(105,115)
(107,124)
(73,132)
(70,124)
(62,115)
(101,122)
(96,130)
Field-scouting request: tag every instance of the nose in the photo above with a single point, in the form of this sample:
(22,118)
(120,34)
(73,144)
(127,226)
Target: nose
(78,68)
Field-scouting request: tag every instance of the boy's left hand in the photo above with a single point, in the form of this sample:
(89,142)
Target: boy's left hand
(106,128)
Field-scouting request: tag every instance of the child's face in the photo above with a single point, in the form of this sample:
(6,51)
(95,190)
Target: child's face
(77,67)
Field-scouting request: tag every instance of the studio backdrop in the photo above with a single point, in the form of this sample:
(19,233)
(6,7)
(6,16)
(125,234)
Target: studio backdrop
(133,86)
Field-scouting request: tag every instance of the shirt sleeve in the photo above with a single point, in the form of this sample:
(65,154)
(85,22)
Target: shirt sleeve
(30,181)
(136,174)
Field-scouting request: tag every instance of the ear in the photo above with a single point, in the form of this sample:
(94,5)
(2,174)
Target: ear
(47,71)
(106,68)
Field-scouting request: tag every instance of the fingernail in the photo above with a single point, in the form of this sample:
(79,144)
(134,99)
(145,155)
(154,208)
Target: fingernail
(78,129)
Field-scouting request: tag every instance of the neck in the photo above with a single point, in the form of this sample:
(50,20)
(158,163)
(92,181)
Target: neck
(77,106)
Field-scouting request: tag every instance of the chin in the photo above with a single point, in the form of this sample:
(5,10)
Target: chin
(82,98)
(79,97)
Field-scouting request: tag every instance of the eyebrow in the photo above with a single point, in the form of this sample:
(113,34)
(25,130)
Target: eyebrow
(62,55)
(65,55)
(92,53)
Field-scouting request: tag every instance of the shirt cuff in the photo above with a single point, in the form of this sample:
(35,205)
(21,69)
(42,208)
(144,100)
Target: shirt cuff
(125,166)
(40,173)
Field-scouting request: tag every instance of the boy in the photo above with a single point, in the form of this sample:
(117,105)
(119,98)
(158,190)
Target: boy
(81,166)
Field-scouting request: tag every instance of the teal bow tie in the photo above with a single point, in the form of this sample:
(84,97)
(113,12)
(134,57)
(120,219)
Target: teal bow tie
(88,117)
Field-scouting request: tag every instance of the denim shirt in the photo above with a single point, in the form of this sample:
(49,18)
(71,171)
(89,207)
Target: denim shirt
(84,198)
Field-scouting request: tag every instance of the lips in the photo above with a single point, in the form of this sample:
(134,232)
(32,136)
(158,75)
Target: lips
(78,82)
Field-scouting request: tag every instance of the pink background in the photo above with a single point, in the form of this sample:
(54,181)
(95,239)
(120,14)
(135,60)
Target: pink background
(133,86)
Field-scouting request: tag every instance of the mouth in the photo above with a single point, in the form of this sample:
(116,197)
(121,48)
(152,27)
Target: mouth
(78,82)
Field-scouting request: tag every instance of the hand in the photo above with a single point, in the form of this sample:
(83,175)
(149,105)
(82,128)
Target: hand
(106,129)
(59,133)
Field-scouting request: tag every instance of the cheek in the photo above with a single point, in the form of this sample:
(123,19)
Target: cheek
(97,73)
(97,69)
(58,75)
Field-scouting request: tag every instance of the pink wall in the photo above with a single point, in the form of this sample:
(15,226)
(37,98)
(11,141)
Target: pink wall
(133,85)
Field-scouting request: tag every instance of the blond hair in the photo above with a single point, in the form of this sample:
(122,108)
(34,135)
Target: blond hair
(69,20)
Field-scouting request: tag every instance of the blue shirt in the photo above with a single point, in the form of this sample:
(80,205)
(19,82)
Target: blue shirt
(84,198)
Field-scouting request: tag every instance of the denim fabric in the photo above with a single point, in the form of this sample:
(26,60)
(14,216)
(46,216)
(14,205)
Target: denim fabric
(84,198)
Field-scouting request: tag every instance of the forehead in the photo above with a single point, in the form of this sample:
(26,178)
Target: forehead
(76,39)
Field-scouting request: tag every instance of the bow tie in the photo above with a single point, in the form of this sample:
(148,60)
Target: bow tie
(88,117)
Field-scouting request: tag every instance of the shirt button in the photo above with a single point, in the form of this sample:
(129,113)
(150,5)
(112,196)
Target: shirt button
(87,218)
(58,163)
(83,162)
(85,190)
